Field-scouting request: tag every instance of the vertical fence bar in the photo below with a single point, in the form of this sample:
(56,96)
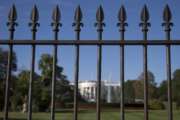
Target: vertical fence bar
(55,24)
(99,24)
(11,23)
(145,24)
(167,24)
(122,23)
(34,24)
(77,24)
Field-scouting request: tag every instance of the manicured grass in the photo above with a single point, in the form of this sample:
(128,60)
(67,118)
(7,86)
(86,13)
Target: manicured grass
(91,115)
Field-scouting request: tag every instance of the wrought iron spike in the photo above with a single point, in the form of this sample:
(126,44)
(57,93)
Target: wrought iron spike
(100,14)
(78,14)
(167,18)
(122,19)
(167,14)
(122,14)
(77,19)
(144,14)
(34,19)
(99,18)
(12,14)
(34,14)
(56,14)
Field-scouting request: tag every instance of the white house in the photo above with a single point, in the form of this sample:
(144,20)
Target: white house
(109,90)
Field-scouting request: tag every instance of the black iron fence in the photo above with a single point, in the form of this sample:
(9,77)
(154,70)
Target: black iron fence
(121,42)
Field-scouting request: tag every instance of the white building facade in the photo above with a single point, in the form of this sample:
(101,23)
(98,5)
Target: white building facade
(110,91)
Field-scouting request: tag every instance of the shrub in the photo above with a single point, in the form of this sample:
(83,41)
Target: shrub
(178,104)
(156,105)
(35,108)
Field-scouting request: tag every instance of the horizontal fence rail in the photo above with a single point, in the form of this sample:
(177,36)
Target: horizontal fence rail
(89,42)
(122,42)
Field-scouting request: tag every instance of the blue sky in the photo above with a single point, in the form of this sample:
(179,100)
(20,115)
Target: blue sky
(133,54)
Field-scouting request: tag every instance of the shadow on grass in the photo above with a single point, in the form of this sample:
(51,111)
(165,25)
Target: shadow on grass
(17,119)
(79,111)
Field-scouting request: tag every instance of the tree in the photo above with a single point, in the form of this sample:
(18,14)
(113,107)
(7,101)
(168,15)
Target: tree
(64,93)
(129,91)
(46,67)
(138,89)
(176,86)
(20,92)
(162,91)
(151,78)
(4,62)
(3,69)
(139,86)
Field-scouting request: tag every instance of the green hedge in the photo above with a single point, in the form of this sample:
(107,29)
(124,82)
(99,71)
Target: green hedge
(156,105)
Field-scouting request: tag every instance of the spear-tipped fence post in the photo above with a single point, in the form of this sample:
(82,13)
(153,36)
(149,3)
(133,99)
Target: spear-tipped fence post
(122,24)
(56,17)
(33,24)
(99,24)
(145,24)
(12,17)
(167,25)
(77,25)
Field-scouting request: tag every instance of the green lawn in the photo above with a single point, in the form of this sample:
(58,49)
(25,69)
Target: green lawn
(91,115)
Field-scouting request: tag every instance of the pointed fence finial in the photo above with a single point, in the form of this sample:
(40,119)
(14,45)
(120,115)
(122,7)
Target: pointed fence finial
(78,14)
(100,14)
(34,19)
(144,14)
(100,18)
(56,17)
(77,19)
(144,19)
(12,14)
(12,17)
(167,16)
(122,18)
(34,14)
(122,14)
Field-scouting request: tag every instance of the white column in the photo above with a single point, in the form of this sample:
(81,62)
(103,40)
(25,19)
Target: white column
(109,94)
(92,92)
(83,92)
(86,92)
(95,90)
